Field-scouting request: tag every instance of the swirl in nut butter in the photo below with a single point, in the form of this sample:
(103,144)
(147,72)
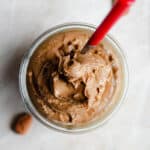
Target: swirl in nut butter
(69,87)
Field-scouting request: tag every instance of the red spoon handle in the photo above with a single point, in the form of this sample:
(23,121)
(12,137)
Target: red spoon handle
(117,11)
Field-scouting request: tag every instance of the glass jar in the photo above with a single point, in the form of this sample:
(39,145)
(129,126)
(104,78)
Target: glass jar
(109,41)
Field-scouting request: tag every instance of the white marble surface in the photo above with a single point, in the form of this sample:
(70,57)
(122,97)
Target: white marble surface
(21,21)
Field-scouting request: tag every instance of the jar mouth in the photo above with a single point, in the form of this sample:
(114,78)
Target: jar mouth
(23,70)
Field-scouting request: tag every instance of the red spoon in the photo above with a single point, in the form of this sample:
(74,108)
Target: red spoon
(117,11)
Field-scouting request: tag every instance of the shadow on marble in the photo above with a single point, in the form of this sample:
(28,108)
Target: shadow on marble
(11,74)
(10,80)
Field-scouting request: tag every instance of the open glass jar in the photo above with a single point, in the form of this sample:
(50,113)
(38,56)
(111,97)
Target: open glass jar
(109,43)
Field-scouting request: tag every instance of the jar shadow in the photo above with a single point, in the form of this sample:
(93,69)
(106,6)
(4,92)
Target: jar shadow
(11,98)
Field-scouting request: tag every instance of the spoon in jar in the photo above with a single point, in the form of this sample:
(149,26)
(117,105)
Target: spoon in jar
(120,7)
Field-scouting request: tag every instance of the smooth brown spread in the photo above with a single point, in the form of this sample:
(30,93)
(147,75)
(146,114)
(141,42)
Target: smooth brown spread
(67,86)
